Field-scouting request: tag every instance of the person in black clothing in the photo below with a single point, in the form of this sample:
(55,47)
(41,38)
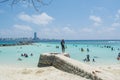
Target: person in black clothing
(63,45)
(118,57)
(88,57)
(118,54)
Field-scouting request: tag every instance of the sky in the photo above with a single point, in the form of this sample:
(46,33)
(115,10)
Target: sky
(62,19)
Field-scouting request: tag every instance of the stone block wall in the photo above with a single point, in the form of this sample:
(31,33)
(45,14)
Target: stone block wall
(48,59)
(66,64)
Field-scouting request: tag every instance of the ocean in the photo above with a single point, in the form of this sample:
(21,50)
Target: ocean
(104,52)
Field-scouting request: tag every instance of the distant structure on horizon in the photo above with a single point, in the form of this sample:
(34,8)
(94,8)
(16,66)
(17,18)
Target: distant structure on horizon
(35,36)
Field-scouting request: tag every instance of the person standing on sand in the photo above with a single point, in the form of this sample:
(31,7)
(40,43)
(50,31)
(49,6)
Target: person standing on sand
(63,45)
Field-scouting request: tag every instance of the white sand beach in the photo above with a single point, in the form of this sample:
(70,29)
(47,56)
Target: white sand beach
(45,73)
(112,70)
(49,73)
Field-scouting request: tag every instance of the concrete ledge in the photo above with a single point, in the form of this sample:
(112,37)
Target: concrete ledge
(60,61)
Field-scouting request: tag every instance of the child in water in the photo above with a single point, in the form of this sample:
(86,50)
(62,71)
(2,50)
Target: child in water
(118,58)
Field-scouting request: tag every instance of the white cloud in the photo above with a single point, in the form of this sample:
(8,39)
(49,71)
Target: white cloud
(117,19)
(116,24)
(87,30)
(23,27)
(111,29)
(119,11)
(117,16)
(51,32)
(25,17)
(15,32)
(68,30)
(97,10)
(106,31)
(96,19)
(57,32)
(41,19)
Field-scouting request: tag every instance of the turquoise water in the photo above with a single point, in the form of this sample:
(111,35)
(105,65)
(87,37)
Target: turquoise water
(100,50)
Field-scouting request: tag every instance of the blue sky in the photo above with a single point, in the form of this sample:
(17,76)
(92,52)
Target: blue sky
(62,19)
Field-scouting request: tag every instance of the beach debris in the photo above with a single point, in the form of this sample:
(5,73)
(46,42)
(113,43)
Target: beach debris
(27,71)
(39,71)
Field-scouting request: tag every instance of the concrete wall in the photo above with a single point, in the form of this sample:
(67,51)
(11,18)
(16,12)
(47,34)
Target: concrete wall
(67,64)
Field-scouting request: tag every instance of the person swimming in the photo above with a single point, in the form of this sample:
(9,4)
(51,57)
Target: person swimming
(82,50)
(88,50)
(19,59)
(118,57)
(31,54)
(85,60)
(88,57)
(93,60)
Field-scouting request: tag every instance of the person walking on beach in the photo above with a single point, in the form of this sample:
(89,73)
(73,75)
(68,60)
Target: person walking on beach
(63,45)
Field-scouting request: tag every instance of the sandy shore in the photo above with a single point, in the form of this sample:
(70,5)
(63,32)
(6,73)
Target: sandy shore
(49,73)
(46,73)
(114,70)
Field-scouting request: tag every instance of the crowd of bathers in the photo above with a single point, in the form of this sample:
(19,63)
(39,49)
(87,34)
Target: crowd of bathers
(25,55)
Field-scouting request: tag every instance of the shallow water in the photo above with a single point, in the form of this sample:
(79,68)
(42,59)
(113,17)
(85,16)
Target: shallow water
(100,50)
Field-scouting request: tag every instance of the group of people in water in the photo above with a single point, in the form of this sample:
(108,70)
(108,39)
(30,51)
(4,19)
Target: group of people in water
(87,59)
(25,55)
(113,49)
(110,47)
(82,50)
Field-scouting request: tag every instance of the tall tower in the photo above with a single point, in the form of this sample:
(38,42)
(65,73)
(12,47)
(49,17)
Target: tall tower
(35,36)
